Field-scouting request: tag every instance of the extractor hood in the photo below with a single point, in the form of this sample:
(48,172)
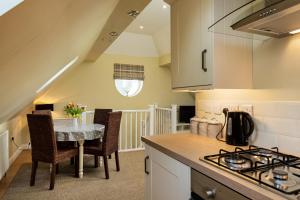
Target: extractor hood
(274,18)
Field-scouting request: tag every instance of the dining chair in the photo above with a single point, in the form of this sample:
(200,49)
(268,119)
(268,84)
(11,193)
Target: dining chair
(42,112)
(44,146)
(100,117)
(60,144)
(109,144)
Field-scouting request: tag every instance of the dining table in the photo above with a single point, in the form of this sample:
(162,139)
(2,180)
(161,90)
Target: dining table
(67,130)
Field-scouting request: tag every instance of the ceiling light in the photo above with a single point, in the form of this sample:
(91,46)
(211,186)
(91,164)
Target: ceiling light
(141,27)
(113,33)
(295,31)
(165,6)
(7,5)
(57,74)
(133,13)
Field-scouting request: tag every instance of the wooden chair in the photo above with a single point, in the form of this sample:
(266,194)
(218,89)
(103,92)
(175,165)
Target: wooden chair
(44,147)
(109,143)
(100,117)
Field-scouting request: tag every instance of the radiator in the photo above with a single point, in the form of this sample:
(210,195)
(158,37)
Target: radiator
(4,153)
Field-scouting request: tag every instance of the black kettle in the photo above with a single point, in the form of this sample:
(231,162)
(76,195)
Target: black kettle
(239,128)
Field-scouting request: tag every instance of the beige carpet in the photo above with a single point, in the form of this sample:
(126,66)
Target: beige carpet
(128,184)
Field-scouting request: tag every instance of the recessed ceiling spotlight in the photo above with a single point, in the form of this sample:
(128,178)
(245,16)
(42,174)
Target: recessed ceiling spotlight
(133,13)
(141,27)
(113,33)
(295,31)
(165,6)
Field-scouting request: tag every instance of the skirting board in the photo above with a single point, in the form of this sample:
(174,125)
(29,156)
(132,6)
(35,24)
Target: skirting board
(17,153)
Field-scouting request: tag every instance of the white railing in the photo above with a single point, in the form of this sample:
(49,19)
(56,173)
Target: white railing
(138,123)
(164,120)
(134,125)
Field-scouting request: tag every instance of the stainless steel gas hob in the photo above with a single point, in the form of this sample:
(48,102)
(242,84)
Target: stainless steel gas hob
(269,168)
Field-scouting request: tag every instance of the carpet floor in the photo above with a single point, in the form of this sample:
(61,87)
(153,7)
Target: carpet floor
(128,184)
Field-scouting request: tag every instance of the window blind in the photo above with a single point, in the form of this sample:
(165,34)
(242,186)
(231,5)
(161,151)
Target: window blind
(128,72)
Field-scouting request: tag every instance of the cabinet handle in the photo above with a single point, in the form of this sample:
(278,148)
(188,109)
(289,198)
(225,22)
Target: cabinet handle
(145,163)
(203,60)
(211,194)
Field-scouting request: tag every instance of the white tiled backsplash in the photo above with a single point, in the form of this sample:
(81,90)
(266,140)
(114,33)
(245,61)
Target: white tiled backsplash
(277,123)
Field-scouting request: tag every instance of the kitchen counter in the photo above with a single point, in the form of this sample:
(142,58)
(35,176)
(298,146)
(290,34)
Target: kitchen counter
(190,150)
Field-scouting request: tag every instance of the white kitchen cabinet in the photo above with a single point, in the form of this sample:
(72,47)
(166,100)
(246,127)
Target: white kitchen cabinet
(165,177)
(203,59)
(188,46)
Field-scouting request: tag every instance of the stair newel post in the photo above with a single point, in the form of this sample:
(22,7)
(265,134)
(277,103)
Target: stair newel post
(174,118)
(152,119)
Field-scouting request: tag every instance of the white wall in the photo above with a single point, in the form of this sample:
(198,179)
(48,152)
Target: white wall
(162,39)
(132,44)
(276,122)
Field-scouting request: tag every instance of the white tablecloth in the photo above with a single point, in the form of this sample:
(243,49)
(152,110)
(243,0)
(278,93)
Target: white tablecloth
(69,132)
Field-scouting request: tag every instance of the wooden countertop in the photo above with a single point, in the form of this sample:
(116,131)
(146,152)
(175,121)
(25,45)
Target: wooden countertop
(190,149)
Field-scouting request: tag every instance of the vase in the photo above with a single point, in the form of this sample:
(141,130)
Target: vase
(75,123)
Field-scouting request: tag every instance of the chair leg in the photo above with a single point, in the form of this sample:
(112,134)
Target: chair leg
(52,179)
(72,160)
(33,172)
(109,156)
(57,168)
(96,161)
(77,166)
(106,167)
(117,160)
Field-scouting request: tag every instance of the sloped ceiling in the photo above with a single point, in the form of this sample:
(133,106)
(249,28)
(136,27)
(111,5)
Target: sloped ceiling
(117,23)
(39,37)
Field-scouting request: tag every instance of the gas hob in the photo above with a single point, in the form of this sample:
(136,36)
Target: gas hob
(267,167)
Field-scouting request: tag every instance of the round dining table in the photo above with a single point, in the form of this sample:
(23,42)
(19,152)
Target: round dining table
(78,133)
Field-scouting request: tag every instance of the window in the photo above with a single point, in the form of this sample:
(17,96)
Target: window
(129,79)
(7,5)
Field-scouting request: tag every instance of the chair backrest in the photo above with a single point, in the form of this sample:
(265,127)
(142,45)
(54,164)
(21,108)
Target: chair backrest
(42,112)
(42,136)
(111,134)
(100,116)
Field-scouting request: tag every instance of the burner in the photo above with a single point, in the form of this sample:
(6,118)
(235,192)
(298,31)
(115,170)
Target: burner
(234,159)
(264,152)
(284,185)
(280,179)
(280,175)
(236,162)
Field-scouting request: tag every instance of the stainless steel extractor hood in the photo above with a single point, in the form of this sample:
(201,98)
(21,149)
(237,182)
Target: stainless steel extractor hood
(276,18)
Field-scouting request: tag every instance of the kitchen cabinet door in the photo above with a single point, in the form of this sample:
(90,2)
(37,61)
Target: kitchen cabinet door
(147,176)
(232,50)
(165,178)
(208,59)
(190,65)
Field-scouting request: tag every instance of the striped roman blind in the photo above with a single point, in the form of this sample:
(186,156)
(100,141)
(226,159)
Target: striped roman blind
(128,72)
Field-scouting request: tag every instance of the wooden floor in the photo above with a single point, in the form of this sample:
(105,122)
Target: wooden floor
(25,157)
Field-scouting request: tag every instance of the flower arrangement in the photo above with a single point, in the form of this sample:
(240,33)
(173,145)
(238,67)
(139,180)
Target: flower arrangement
(74,110)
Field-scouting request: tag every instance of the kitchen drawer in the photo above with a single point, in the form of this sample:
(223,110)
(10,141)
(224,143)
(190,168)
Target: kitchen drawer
(208,188)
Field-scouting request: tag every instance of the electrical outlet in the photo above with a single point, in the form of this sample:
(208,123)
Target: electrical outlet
(216,109)
(246,108)
(231,107)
